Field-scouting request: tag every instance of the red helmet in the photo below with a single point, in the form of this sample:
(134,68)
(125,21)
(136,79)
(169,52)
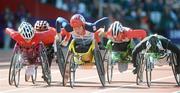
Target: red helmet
(77,20)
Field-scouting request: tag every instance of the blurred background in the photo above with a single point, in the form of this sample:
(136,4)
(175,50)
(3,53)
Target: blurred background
(155,16)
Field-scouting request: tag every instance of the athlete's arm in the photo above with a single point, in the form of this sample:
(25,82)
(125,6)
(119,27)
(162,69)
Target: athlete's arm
(63,23)
(139,34)
(101,23)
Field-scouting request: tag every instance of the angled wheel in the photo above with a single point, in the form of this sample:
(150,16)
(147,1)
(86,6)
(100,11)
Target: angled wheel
(173,62)
(11,68)
(67,69)
(140,69)
(17,70)
(148,71)
(60,58)
(99,66)
(45,64)
(72,74)
(108,65)
(12,64)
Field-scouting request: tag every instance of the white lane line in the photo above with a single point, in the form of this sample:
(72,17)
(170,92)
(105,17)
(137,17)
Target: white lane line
(19,89)
(112,89)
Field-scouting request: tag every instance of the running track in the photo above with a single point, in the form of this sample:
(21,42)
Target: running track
(87,81)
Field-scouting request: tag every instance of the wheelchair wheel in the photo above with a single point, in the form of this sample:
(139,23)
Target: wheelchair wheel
(140,69)
(72,74)
(148,71)
(11,68)
(45,65)
(108,66)
(176,76)
(67,68)
(60,58)
(17,70)
(99,66)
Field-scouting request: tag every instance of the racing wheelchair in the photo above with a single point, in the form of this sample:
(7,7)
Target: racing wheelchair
(78,55)
(112,56)
(147,60)
(19,60)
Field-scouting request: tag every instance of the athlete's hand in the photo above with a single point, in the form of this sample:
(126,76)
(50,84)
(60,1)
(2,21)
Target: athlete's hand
(101,32)
(64,43)
(58,37)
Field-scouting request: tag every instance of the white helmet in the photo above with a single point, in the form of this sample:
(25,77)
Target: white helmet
(116,28)
(41,25)
(26,30)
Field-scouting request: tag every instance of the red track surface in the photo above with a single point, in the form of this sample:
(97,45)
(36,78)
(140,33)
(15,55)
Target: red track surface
(87,81)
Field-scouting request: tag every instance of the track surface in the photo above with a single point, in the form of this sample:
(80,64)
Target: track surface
(87,81)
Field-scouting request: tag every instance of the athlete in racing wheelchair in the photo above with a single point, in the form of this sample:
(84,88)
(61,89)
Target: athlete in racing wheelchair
(29,51)
(83,48)
(119,47)
(149,51)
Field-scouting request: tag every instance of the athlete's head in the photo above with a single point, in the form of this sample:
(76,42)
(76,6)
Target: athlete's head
(77,22)
(117,30)
(26,30)
(154,43)
(41,25)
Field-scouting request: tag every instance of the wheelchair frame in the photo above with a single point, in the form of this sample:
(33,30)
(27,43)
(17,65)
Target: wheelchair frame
(146,62)
(17,63)
(109,62)
(71,64)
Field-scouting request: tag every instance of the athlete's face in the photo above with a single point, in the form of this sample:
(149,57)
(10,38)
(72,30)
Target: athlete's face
(79,30)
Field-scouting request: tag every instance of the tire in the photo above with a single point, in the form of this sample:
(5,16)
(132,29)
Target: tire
(72,74)
(107,66)
(140,69)
(60,59)
(17,70)
(45,65)
(176,76)
(67,69)
(99,66)
(11,69)
(148,71)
